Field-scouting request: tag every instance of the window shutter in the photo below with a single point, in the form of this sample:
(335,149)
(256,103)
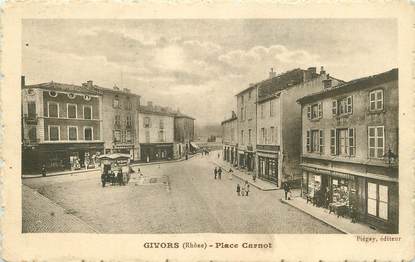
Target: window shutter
(321,141)
(334,107)
(333,142)
(350,104)
(352,141)
(309,112)
(320,110)
(308,141)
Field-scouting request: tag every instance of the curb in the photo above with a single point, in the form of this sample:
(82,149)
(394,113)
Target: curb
(97,169)
(316,217)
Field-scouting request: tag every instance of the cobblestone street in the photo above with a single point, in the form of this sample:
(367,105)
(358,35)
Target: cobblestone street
(192,202)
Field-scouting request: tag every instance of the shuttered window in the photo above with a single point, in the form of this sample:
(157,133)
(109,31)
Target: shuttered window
(352,142)
(321,142)
(333,150)
(320,110)
(308,141)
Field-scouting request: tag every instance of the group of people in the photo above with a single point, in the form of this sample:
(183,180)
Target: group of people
(218,173)
(242,190)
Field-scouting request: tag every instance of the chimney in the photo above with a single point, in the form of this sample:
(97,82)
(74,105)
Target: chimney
(150,104)
(272,73)
(23,81)
(89,83)
(126,90)
(115,87)
(322,71)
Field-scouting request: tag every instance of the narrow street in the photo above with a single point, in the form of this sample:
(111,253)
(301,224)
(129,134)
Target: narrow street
(192,202)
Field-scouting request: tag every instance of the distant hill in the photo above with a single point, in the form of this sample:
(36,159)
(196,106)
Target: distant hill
(208,130)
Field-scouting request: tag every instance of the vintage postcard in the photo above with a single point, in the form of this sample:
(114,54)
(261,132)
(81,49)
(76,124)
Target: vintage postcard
(223,131)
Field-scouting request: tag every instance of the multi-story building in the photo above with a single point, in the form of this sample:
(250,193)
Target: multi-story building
(278,122)
(61,126)
(156,128)
(229,139)
(246,127)
(120,132)
(350,148)
(184,132)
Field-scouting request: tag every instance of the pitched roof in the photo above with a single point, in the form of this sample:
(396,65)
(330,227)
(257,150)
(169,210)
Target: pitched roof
(356,84)
(155,110)
(181,115)
(54,86)
(229,120)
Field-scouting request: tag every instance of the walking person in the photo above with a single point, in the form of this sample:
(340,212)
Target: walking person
(243,190)
(43,170)
(286,189)
(238,190)
(247,189)
(220,173)
(216,172)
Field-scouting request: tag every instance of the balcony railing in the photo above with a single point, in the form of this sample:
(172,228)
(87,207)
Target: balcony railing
(30,118)
(30,142)
(274,148)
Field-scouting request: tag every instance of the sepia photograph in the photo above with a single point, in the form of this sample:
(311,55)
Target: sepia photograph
(242,126)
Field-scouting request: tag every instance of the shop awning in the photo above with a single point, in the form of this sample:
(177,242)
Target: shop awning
(343,173)
(194,145)
(115,156)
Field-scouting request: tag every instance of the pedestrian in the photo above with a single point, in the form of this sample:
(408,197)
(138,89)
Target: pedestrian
(220,173)
(254,177)
(43,170)
(216,172)
(218,155)
(247,189)
(286,187)
(238,190)
(243,190)
(230,173)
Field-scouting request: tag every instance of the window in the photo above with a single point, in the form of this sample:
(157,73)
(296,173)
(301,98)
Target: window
(116,102)
(377,200)
(117,136)
(315,141)
(32,134)
(54,133)
(343,106)
(87,112)
(88,133)
(71,111)
(271,108)
(161,124)
(343,142)
(376,100)
(128,106)
(129,121)
(249,95)
(147,136)
(71,96)
(117,120)
(161,135)
(242,137)
(128,137)
(249,136)
(272,133)
(72,133)
(242,100)
(53,109)
(262,110)
(376,141)
(147,122)
(276,135)
(31,109)
(242,113)
(262,135)
(314,111)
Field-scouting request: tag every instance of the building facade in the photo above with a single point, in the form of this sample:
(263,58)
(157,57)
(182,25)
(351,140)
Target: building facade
(61,126)
(279,122)
(350,148)
(229,139)
(246,128)
(184,132)
(120,132)
(156,128)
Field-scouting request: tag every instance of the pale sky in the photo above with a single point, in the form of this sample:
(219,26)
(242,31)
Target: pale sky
(199,65)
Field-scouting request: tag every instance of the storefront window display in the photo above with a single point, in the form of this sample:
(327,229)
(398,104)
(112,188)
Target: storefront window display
(340,191)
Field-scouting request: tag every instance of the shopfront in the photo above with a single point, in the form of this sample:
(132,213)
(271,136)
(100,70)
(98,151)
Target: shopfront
(250,161)
(156,152)
(268,167)
(242,160)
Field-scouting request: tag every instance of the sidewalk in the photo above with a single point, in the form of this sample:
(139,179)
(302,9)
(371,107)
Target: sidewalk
(340,223)
(70,172)
(260,184)
(41,215)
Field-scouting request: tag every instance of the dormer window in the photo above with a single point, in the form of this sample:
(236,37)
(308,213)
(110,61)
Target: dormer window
(53,94)
(116,102)
(87,97)
(71,95)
